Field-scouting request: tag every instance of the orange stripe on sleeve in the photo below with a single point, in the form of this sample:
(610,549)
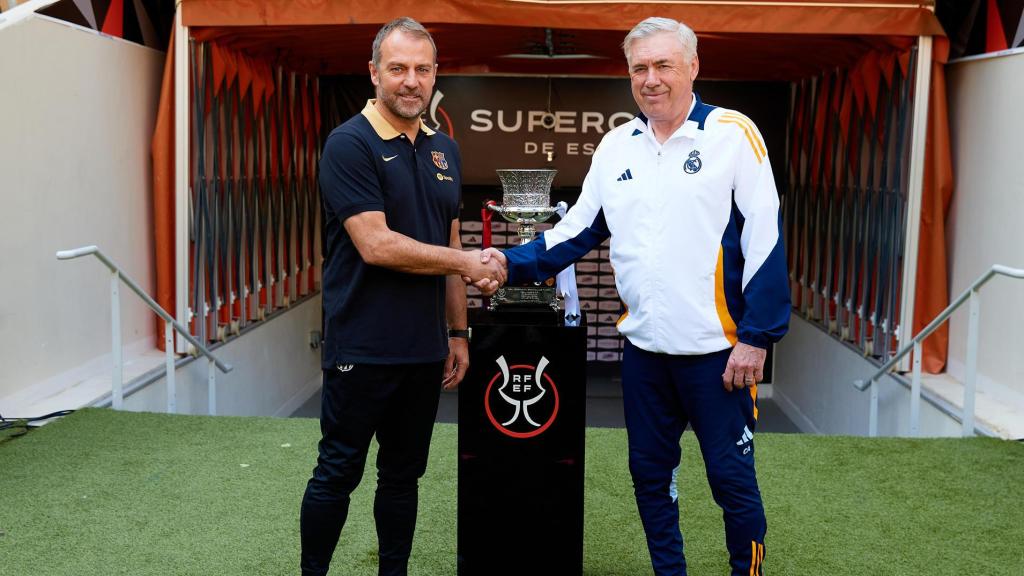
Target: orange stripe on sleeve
(746,132)
(728,324)
(750,126)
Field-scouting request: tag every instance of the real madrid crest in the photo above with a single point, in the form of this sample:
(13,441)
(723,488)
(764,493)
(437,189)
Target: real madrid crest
(439,160)
(693,163)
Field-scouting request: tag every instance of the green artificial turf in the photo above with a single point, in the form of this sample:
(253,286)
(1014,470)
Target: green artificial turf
(105,492)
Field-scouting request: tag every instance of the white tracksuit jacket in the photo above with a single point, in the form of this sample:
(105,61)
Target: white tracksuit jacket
(695,234)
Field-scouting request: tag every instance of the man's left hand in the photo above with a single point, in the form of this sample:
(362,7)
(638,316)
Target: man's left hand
(745,367)
(457,363)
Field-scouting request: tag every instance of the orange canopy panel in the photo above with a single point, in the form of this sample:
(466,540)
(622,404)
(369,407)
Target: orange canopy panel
(481,50)
(754,40)
(895,17)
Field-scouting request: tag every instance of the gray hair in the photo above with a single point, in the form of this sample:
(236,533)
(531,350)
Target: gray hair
(655,25)
(403,24)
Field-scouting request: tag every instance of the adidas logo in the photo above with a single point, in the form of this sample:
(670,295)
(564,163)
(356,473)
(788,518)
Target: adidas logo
(627,175)
(746,437)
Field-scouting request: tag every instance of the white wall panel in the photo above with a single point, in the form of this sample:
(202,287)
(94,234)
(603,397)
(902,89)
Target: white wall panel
(77,111)
(986,224)
(813,384)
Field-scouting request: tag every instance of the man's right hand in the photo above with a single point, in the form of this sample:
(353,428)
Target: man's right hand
(492,257)
(484,271)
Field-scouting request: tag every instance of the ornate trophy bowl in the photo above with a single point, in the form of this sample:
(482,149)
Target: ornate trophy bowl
(526,201)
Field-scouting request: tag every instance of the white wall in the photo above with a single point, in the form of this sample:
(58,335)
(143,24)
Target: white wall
(813,385)
(986,224)
(814,372)
(77,112)
(275,371)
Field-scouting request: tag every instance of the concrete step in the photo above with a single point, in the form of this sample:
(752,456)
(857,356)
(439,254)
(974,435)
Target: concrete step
(998,409)
(82,386)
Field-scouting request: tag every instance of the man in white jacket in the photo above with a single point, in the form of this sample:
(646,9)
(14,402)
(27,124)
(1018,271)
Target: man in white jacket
(686,194)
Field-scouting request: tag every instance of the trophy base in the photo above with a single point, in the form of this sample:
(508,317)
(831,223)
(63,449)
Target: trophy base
(523,297)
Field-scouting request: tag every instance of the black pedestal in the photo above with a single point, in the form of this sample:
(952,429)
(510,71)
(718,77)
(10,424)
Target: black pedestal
(522,412)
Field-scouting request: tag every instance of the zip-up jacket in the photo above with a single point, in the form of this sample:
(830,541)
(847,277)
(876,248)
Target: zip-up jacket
(695,230)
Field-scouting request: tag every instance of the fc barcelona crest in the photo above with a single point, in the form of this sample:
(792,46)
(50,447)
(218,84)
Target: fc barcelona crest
(693,164)
(439,160)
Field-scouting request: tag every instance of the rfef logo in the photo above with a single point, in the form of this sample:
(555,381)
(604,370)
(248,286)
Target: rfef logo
(521,401)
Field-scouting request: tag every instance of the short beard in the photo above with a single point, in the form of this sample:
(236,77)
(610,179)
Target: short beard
(391,101)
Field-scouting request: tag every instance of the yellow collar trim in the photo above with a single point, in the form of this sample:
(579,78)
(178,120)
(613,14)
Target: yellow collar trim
(382,127)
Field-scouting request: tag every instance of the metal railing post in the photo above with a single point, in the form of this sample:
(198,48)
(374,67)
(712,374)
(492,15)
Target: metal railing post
(170,325)
(873,414)
(915,393)
(172,392)
(212,386)
(117,373)
(970,384)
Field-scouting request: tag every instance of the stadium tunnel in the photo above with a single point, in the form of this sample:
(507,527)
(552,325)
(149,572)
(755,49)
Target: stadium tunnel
(849,97)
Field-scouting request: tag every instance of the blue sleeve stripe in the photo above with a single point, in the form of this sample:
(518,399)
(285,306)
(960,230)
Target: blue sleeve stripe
(535,262)
(766,315)
(732,265)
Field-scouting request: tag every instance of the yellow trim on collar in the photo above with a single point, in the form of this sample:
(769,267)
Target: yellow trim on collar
(382,127)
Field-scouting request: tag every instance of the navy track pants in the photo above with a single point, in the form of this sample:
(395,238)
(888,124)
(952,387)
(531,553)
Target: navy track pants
(662,394)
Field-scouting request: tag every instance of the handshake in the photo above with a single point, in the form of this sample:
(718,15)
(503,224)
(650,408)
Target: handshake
(486,269)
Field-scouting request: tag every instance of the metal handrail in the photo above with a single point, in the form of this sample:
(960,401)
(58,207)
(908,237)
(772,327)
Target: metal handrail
(170,325)
(970,294)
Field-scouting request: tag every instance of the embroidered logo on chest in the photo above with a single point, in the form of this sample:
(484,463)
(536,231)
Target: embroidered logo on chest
(439,161)
(693,163)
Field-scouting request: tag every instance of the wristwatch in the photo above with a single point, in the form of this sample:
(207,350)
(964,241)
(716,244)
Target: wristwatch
(467,333)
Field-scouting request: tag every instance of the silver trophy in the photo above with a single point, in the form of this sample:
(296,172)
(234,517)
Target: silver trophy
(526,199)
